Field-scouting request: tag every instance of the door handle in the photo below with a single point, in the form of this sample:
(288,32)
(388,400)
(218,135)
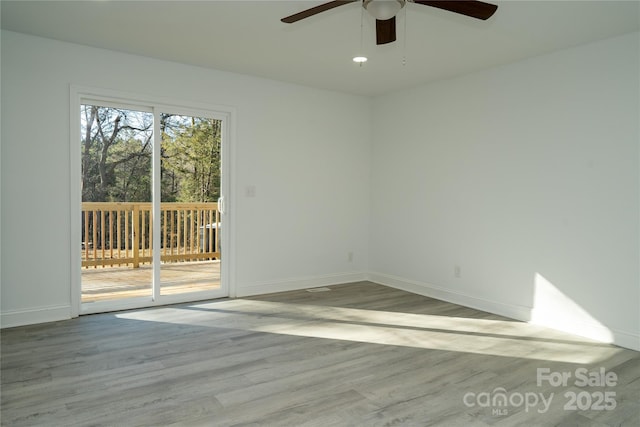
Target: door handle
(221,206)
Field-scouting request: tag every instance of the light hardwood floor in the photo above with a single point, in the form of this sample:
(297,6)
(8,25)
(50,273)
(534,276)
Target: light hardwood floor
(357,355)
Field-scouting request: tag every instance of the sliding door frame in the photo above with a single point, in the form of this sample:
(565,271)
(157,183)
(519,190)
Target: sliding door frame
(80,95)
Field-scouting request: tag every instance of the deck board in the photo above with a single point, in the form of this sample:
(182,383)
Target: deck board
(109,283)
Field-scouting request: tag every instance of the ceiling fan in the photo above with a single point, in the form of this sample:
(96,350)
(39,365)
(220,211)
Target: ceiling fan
(385,12)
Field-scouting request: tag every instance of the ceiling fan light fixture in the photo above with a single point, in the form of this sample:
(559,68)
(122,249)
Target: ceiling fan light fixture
(383,9)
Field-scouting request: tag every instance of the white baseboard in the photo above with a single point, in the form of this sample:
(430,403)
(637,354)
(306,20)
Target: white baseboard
(269,287)
(526,314)
(587,329)
(432,291)
(631,340)
(10,319)
(626,339)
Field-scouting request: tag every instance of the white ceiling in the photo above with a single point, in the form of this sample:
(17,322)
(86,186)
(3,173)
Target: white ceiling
(247,36)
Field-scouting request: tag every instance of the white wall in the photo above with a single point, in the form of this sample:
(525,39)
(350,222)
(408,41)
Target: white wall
(526,177)
(305,150)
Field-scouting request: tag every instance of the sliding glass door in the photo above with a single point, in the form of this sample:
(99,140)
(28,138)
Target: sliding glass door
(151,217)
(116,153)
(190,216)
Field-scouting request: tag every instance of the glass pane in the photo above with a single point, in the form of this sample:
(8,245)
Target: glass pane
(116,203)
(190,221)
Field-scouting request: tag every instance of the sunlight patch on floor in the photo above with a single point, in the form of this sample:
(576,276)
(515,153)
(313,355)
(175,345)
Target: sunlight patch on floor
(478,336)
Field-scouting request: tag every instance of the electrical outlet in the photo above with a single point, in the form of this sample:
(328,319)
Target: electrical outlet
(250,191)
(457,271)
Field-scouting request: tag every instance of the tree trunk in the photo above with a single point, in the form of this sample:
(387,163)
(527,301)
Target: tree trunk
(86,154)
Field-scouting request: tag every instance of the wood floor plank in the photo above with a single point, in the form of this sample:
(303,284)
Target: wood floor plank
(358,355)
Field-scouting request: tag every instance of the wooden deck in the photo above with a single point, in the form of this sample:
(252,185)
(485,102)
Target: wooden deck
(107,283)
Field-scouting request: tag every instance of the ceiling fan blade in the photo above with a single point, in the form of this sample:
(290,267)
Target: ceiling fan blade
(385,31)
(314,11)
(474,9)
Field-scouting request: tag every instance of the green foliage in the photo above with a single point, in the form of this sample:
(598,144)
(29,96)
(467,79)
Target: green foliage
(191,159)
(117,156)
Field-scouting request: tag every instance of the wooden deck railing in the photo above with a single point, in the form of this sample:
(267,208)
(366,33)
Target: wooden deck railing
(121,233)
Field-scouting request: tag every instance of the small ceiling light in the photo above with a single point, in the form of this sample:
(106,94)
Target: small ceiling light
(360,59)
(383,9)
